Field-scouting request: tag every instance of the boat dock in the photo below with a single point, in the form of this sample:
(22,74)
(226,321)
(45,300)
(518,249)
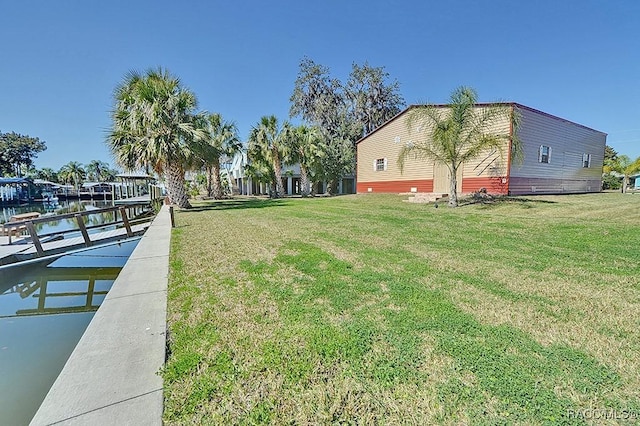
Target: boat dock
(35,244)
(133,200)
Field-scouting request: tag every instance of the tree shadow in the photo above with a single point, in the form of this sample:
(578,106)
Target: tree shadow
(490,201)
(237,204)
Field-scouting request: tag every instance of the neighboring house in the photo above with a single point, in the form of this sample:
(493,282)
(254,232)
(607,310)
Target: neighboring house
(132,184)
(244,185)
(96,187)
(16,190)
(559,156)
(240,183)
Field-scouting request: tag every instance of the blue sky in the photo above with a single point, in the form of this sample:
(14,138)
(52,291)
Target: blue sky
(577,59)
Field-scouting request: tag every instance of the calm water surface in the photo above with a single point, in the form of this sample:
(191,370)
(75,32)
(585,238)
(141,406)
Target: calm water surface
(60,208)
(44,310)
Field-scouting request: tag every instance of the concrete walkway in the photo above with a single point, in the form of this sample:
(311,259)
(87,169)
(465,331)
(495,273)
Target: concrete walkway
(112,376)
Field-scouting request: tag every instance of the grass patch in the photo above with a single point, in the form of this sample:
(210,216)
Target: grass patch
(364,309)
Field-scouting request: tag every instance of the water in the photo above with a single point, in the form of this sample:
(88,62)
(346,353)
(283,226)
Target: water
(60,208)
(51,208)
(44,310)
(64,207)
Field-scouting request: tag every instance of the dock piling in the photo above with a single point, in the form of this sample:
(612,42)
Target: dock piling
(34,238)
(125,221)
(83,230)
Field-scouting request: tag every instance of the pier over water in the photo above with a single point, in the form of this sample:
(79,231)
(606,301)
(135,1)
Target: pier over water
(30,236)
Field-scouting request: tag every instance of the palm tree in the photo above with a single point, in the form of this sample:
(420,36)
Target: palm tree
(623,166)
(459,133)
(97,170)
(153,127)
(109,175)
(72,172)
(266,142)
(258,170)
(303,146)
(221,139)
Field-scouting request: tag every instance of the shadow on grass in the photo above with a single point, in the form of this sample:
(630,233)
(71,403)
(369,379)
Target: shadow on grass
(493,201)
(237,204)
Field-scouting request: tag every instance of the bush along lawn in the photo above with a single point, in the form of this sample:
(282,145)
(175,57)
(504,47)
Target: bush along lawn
(364,309)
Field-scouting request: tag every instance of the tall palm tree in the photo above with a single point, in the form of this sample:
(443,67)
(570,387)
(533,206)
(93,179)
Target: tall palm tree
(459,133)
(97,170)
(110,174)
(153,127)
(303,145)
(72,172)
(221,139)
(266,142)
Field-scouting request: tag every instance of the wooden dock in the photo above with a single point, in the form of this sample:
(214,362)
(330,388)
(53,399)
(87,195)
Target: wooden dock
(66,244)
(55,243)
(7,250)
(133,200)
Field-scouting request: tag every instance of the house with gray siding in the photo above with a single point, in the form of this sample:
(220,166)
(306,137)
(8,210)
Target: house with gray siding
(559,156)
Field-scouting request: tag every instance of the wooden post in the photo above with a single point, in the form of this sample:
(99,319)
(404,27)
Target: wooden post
(173,222)
(35,238)
(42,297)
(90,289)
(125,221)
(83,230)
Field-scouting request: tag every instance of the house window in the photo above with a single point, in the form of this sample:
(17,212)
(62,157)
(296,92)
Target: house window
(586,160)
(544,155)
(380,165)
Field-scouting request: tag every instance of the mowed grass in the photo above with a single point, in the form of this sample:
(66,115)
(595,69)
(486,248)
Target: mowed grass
(363,309)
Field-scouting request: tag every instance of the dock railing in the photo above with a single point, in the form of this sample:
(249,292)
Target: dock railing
(36,238)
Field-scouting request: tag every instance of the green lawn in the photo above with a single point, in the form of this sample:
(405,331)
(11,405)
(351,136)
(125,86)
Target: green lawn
(365,309)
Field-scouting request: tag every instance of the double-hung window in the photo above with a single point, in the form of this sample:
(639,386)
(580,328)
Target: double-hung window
(544,155)
(380,165)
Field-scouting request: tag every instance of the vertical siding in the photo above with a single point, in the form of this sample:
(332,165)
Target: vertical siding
(565,172)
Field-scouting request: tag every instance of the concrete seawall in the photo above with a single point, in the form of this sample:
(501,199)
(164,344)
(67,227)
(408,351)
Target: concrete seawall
(112,375)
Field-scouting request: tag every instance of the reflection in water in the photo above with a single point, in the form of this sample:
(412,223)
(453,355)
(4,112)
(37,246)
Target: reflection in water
(44,309)
(60,290)
(67,224)
(58,208)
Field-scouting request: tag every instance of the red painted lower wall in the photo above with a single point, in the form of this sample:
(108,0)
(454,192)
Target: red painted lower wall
(493,185)
(395,186)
